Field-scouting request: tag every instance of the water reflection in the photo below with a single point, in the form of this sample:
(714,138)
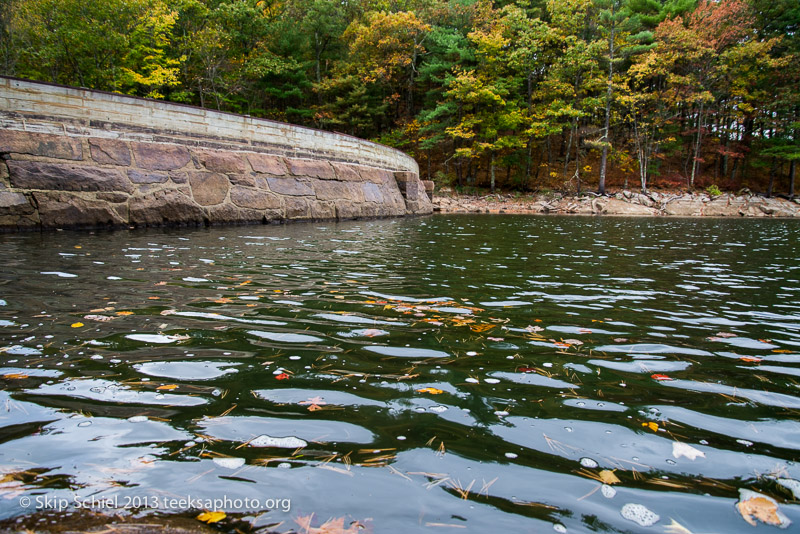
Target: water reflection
(477,372)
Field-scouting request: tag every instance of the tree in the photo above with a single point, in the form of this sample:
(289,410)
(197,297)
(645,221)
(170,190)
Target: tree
(625,37)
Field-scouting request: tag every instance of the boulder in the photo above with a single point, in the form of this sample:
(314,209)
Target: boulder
(221,161)
(246,197)
(66,177)
(348,173)
(165,207)
(311,167)
(144,177)
(208,188)
(160,157)
(59,209)
(36,144)
(267,164)
(290,186)
(110,152)
(614,206)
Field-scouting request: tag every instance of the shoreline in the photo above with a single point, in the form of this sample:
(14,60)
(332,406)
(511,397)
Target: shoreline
(622,203)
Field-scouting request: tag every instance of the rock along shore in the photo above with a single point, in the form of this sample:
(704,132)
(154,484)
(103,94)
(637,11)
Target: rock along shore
(623,203)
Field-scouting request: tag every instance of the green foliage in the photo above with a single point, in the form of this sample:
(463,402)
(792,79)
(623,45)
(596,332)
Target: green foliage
(713,191)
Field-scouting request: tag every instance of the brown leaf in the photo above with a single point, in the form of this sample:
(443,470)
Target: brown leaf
(331,526)
(754,506)
(608,477)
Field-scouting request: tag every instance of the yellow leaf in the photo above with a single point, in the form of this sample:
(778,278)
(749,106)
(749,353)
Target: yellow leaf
(76,325)
(211,517)
(125,313)
(651,425)
(167,387)
(15,376)
(608,477)
(432,391)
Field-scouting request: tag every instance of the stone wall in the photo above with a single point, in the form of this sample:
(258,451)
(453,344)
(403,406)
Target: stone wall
(79,158)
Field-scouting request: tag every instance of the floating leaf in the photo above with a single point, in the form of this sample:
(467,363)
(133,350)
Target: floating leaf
(481,327)
(211,517)
(76,325)
(750,359)
(314,404)
(608,477)
(15,376)
(124,313)
(676,528)
(682,449)
(651,425)
(282,376)
(724,334)
(432,391)
(755,506)
(99,318)
(331,526)
(372,332)
(167,387)
(660,378)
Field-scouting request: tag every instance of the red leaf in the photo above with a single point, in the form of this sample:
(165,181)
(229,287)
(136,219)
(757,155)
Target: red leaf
(282,376)
(660,378)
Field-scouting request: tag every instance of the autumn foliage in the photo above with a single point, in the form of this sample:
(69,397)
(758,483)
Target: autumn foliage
(531,94)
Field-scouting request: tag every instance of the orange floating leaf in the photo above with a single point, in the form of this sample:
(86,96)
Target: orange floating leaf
(754,506)
(660,378)
(750,359)
(651,425)
(124,313)
(282,376)
(15,376)
(167,387)
(432,391)
(76,325)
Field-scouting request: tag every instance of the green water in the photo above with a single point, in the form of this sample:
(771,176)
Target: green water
(144,368)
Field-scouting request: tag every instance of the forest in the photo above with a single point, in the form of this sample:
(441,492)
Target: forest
(524,95)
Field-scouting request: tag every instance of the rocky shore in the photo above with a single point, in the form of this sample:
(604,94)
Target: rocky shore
(624,203)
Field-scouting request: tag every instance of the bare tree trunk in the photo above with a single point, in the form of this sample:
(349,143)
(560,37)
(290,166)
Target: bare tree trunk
(491,170)
(695,161)
(772,172)
(609,93)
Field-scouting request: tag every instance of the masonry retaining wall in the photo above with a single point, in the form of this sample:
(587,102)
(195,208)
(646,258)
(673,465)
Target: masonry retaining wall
(73,157)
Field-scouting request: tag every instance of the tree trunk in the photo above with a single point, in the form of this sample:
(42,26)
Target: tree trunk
(491,170)
(792,170)
(695,161)
(528,164)
(772,171)
(609,92)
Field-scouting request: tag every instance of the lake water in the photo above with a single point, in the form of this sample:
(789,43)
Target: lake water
(482,373)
